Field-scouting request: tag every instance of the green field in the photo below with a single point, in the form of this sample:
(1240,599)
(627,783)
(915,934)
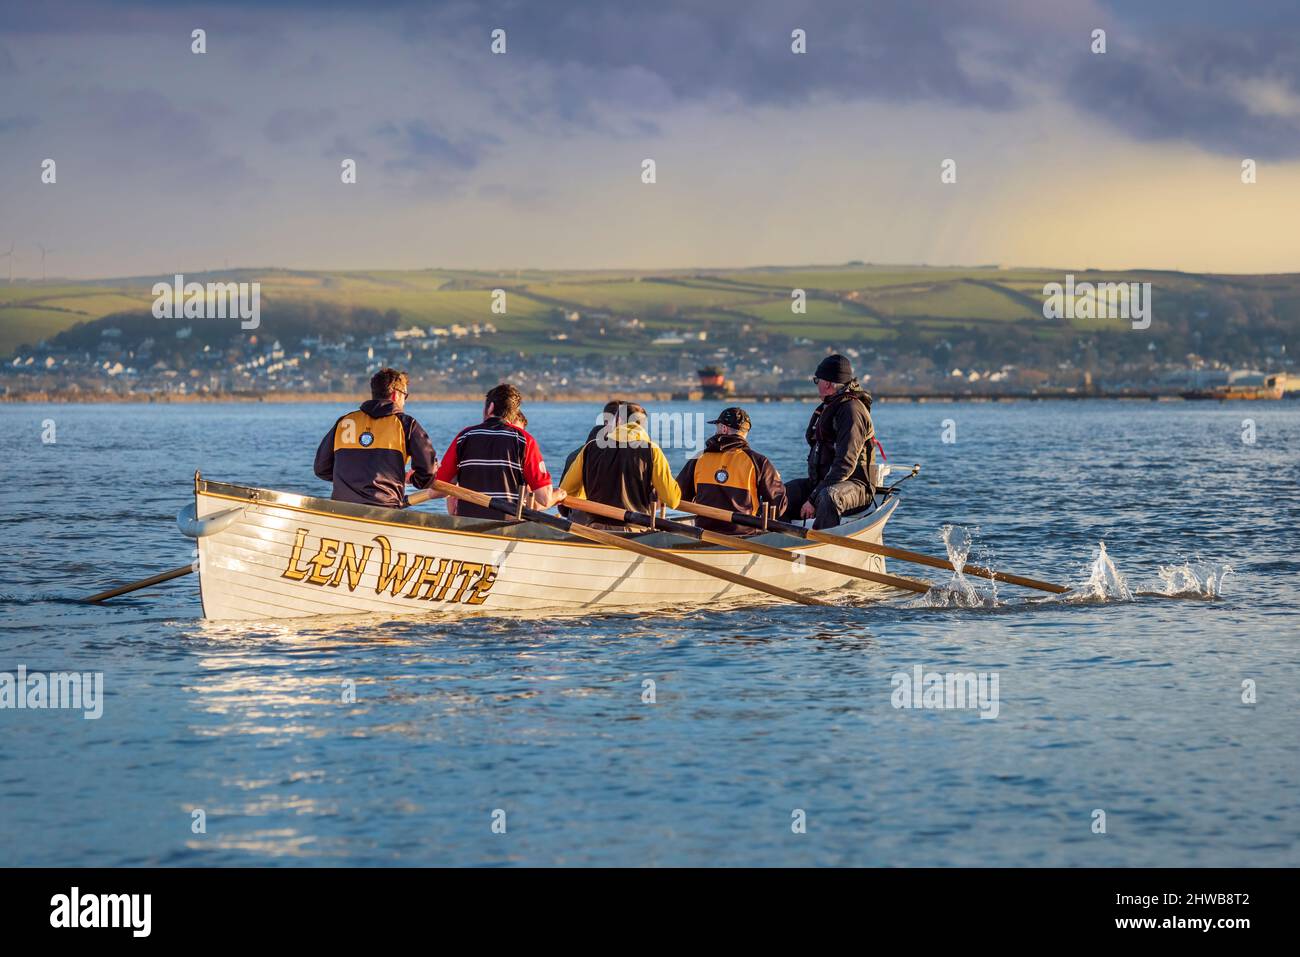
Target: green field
(952,300)
(844,304)
(30,312)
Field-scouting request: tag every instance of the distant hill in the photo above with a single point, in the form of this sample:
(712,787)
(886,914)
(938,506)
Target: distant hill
(986,313)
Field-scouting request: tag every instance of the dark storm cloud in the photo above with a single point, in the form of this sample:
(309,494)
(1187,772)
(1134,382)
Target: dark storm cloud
(1219,76)
(1213,74)
(1234,93)
(887,50)
(858,48)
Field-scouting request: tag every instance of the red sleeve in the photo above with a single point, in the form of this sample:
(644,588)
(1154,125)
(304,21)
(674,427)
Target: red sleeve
(449,465)
(535,473)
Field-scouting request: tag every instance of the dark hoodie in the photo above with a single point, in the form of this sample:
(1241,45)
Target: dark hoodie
(366,451)
(571,514)
(705,479)
(841,439)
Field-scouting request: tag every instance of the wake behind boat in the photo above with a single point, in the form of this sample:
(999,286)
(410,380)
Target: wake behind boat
(269,554)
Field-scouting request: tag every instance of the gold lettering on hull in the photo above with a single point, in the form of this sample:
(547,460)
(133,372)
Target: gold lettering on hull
(350,565)
(293,571)
(430,578)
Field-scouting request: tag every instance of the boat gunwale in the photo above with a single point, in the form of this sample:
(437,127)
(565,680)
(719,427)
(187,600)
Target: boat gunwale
(507,531)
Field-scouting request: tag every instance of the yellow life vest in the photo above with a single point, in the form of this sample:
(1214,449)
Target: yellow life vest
(731,478)
(356,430)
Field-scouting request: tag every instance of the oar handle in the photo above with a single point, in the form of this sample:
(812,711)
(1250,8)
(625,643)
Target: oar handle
(460,492)
(613,513)
(740,518)
(423,495)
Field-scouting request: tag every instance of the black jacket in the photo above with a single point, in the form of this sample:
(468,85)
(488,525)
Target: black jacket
(364,455)
(565,511)
(841,439)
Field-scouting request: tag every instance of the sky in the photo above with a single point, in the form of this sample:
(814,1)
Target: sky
(168,160)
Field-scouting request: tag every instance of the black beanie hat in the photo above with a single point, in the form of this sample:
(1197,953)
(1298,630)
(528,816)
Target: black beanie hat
(835,369)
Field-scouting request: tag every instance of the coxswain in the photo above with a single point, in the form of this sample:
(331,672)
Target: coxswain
(841,446)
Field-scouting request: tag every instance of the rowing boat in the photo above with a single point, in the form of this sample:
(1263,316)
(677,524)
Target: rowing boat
(269,554)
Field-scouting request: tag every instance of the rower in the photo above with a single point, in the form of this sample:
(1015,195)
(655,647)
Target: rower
(606,421)
(841,440)
(730,475)
(497,457)
(365,453)
(621,466)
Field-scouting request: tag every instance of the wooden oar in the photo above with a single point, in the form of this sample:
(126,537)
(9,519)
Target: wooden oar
(902,554)
(142,583)
(605,538)
(742,544)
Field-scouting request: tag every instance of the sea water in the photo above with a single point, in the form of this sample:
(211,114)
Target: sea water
(1149,717)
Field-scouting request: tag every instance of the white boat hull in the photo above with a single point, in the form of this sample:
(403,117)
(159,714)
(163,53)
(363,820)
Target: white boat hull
(278,555)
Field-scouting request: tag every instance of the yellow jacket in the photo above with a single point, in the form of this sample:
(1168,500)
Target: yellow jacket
(618,466)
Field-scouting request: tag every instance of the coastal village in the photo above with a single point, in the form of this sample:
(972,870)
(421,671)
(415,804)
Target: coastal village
(462,360)
(927,335)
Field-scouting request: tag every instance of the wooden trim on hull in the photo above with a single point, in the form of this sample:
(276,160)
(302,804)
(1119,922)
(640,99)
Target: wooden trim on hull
(291,556)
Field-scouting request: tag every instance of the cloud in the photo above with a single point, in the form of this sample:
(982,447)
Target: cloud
(419,147)
(1234,93)
(1223,77)
(889,49)
(144,124)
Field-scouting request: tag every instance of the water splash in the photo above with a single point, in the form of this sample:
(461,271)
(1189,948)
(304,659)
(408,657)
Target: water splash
(1102,580)
(1192,580)
(958,541)
(1105,581)
(959,591)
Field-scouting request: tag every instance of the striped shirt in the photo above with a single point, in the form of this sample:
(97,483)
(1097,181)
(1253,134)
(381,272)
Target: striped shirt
(495,457)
